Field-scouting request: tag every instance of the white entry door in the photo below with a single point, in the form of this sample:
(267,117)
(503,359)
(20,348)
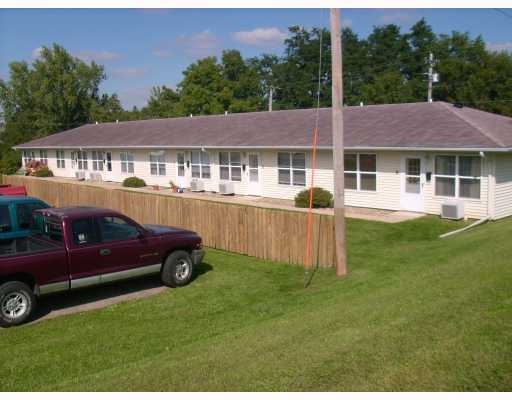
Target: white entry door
(254,186)
(180,173)
(413,178)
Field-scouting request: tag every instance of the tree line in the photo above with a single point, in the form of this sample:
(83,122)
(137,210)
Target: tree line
(58,91)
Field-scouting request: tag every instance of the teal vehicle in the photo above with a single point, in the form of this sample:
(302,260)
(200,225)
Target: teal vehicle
(16,215)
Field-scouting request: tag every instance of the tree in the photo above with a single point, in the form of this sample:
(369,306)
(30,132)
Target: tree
(296,76)
(203,90)
(106,109)
(162,103)
(55,93)
(241,77)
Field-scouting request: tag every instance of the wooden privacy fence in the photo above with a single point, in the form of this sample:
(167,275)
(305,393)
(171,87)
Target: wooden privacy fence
(270,234)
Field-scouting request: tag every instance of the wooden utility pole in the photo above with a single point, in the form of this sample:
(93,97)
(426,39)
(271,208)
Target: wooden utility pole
(337,143)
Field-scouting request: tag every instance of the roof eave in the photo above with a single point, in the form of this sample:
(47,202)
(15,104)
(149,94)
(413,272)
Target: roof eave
(351,148)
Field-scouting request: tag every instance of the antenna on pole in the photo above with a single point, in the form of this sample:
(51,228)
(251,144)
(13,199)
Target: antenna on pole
(337,144)
(432,77)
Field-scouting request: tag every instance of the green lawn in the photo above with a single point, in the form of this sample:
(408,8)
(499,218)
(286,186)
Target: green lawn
(414,313)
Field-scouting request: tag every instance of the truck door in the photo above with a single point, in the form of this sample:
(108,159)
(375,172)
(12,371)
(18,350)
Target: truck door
(85,260)
(123,246)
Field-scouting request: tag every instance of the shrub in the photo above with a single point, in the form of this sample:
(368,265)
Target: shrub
(43,172)
(134,182)
(321,198)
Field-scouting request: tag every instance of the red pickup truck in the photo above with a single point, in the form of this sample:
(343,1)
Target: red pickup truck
(86,246)
(9,190)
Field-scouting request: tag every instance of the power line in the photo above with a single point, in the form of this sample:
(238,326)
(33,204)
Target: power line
(505,13)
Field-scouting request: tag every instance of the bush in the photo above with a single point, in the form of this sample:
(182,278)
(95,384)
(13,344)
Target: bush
(43,172)
(134,182)
(321,198)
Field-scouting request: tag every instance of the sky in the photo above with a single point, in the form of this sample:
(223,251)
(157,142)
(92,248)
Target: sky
(141,48)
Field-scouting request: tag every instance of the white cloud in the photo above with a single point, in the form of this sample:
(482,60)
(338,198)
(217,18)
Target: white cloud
(129,72)
(506,46)
(88,55)
(261,37)
(346,23)
(196,45)
(398,17)
(36,53)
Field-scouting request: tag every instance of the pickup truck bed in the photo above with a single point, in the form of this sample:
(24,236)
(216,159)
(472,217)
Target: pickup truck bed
(26,246)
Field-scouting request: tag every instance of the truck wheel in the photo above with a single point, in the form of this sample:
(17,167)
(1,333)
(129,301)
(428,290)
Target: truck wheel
(177,269)
(16,303)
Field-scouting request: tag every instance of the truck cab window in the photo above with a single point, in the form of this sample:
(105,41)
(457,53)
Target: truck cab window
(115,228)
(24,214)
(5,219)
(84,231)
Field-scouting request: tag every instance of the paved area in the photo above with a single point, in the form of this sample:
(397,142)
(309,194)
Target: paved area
(370,214)
(94,298)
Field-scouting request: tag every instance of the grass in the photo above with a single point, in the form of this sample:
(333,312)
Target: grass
(415,313)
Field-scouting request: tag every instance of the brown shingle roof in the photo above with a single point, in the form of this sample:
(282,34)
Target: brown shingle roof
(416,125)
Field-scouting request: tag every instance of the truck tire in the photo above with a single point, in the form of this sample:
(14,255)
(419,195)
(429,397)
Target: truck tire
(177,269)
(17,302)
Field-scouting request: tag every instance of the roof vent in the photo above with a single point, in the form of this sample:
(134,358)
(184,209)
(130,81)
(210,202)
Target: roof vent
(226,112)
(117,121)
(361,104)
(191,115)
(458,105)
(96,122)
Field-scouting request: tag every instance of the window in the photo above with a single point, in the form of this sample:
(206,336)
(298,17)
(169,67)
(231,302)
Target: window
(28,155)
(230,166)
(361,172)
(84,231)
(79,160)
(51,228)
(200,164)
(24,214)
(157,162)
(291,169)
(181,164)
(114,228)
(43,156)
(109,161)
(126,162)
(61,156)
(458,176)
(5,219)
(97,160)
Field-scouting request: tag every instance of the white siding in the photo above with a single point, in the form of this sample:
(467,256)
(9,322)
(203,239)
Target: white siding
(389,177)
(503,187)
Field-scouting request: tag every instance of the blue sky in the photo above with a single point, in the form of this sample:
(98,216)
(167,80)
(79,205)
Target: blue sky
(143,48)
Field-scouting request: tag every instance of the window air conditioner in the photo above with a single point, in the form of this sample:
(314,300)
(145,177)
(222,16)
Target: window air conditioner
(452,210)
(197,186)
(226,188)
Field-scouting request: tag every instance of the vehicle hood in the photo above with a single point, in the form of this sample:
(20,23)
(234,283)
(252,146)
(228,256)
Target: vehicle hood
(164,230)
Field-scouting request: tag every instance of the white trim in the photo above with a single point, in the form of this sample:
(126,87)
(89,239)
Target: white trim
(458,177)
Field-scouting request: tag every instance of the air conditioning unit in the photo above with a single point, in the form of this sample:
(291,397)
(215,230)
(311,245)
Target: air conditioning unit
(197,186)
(80,175)
(452,210)
(95,176)
(226,188)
